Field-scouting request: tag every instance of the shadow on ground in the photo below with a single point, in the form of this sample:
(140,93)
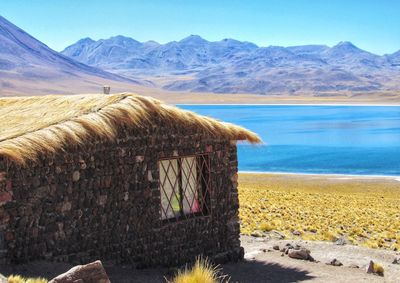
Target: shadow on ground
(246,271)
(260,271)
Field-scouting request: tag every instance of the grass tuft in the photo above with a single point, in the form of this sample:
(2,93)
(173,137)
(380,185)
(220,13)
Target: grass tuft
(202,272)
(20,279)
(378,269)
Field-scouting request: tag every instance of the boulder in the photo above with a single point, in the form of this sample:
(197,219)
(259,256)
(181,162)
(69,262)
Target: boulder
(90,273)
(335,262)
(296,233)
(277,235)
(341,241)
(286,248)
(257,234)
(301,253)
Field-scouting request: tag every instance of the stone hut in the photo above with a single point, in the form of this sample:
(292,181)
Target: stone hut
(120,177)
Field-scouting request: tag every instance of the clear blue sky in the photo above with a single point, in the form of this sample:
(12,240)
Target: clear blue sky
(371,25)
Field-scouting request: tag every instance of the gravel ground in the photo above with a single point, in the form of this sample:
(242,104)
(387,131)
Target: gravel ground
(262,264)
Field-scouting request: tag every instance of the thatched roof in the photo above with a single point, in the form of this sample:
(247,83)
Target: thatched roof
(46,124)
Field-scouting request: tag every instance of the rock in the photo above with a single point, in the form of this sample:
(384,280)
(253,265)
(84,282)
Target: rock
(278,235)
(370,267)
(286,248)
(256,234)
(353,265)
(90,273)
(139,158)
(301,253)
(76,176)
(396,261)
(251,255)
(276,247)
(221,258)
(335,262)
(296,233)
(341,241)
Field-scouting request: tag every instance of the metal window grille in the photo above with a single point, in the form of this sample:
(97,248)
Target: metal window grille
(184,187)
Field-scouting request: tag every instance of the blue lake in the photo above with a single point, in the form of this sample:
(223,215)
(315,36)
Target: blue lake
(316,139)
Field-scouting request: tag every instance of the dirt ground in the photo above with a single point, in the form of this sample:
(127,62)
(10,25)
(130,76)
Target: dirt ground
(261,264)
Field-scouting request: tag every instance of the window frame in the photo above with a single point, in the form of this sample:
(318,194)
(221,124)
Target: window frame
(204,192)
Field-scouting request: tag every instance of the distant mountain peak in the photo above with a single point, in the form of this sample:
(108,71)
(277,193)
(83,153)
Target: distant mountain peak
(28,60)
(124,40)
(193,39)
(346,45)
(86,40)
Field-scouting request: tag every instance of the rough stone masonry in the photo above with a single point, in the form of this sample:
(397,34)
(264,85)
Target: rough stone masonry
(101,201)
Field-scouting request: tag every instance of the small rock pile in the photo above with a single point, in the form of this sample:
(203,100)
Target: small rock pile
(335,262)
(296,252)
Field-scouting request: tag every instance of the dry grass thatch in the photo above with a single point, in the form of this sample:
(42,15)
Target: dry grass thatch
(46,124)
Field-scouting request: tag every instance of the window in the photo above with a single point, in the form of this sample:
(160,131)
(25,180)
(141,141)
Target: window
(184,187)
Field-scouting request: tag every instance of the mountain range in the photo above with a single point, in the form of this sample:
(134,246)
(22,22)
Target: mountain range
(27,66)
(232,66)
(193,64)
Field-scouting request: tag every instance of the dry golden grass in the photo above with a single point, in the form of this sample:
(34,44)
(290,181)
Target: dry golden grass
(201,272)
(20,279)
(45,124)
(365,211)
(378,268)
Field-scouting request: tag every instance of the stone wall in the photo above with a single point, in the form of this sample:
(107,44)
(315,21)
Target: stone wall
(102,201)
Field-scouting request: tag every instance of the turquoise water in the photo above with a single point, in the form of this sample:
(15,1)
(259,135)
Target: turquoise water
(361,140)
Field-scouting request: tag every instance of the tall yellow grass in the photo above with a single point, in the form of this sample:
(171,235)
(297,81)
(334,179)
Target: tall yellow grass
(46,124)
(363,211)
(20,279)
(202,272)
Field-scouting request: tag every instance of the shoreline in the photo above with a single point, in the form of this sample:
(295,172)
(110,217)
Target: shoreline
(289,104)
(349,176)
